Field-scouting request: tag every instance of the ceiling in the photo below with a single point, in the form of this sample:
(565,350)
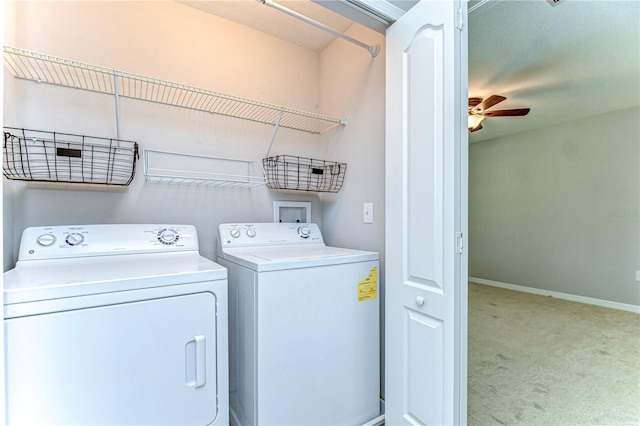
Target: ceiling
(573,60)
(576,59)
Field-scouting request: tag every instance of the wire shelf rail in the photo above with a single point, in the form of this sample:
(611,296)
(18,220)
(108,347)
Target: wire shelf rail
(43,156)
(29,65)
(187,169)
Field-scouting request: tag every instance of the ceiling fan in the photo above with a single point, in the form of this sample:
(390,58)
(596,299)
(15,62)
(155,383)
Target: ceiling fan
(478,111)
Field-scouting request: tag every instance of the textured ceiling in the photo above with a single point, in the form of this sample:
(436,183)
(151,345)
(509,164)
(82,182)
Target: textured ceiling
(576,59)
(573,60)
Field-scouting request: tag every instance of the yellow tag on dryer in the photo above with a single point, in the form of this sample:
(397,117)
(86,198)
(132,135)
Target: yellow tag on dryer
(368,287)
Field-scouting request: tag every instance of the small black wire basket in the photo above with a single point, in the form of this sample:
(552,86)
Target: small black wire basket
(42,156)
(303,174)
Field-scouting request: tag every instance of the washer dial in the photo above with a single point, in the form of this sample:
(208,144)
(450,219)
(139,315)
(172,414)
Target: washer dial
(46,240)
(304,232)
(74,239)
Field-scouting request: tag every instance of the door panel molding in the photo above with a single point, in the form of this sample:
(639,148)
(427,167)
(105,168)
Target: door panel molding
(426,192)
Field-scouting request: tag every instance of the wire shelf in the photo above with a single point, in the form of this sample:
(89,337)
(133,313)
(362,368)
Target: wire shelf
(186,169)
(43,156)
(303,174)
(29,65)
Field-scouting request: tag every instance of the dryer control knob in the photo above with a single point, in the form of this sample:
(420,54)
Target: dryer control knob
(168,236)
(235,232)
(251,232)
(45,240)
(75,239)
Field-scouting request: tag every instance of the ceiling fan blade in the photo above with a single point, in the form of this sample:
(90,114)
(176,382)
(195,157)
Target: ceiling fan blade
(489,102)
(474,102)
(507,112)
(478,127)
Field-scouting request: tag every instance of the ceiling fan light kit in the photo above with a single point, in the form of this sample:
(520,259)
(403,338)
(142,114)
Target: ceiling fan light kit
(475,122)
(478,111)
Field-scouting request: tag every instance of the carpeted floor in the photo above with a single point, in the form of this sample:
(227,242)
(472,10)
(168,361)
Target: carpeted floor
(536,360)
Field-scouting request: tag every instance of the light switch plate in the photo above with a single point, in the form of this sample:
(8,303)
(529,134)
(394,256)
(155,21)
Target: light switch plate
(637,275)
(367,213)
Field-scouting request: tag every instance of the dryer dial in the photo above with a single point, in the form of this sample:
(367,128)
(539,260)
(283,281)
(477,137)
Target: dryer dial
(251,232)
(235,232)
(168,236)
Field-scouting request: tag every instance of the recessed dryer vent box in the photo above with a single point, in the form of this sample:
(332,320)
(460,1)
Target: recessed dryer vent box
(292,211)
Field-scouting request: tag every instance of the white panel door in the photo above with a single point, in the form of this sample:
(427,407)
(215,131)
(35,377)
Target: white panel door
(426,190)
(151,362)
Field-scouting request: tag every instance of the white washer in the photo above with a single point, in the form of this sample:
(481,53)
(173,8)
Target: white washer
(115,325)
(303,327)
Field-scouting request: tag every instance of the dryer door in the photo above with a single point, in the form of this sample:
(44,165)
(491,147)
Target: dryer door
(146,362)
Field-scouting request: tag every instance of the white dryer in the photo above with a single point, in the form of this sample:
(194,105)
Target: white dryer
(115,325)
(304,327)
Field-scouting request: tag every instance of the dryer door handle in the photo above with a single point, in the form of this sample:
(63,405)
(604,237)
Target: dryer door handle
(196,361)
(201,360)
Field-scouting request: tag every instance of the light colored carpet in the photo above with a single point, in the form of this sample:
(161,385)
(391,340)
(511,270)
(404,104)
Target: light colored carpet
(536,360)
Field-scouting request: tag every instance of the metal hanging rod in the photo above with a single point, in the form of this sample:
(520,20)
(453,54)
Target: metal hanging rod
(372,49)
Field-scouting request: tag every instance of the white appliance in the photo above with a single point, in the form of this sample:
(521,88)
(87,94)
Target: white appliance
(303,327)
(115,325)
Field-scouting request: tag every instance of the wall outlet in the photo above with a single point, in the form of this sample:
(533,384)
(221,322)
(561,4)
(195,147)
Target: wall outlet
(367,213)
(637,275)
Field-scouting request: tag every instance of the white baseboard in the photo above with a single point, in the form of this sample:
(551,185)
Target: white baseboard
(556,294)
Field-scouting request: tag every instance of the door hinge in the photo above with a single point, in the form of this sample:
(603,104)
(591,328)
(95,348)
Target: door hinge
(459,242)
(460,19)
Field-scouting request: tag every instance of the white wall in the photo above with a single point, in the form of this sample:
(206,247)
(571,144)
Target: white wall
(559,208)
(7,187)
(352,83)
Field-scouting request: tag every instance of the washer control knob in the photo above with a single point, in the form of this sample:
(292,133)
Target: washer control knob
(251,232)
(305,232)
(74,239)
(45,240)
(235,232)
(168,236)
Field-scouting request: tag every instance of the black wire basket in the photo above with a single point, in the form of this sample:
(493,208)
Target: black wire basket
(303,174)
(42,156)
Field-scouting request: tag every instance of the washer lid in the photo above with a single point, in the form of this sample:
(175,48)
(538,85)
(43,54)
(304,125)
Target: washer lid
(57,278)
(279,257)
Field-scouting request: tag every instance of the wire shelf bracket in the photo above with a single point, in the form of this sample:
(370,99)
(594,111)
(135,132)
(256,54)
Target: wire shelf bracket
(43,68)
